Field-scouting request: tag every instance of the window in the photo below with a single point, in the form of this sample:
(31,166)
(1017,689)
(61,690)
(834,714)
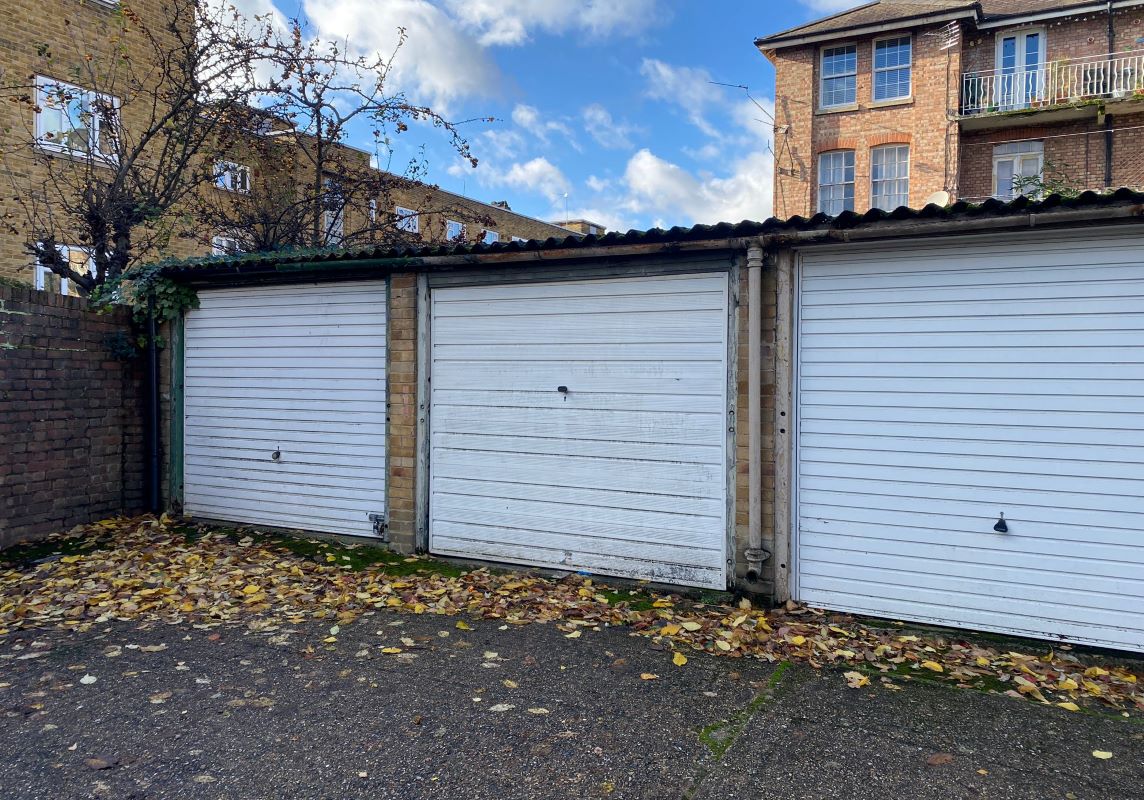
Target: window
(1021,72)
(334,213)
(890,177)
(490,237)
(78,258)
(454,231)
(892,68)
(225,246)
(232,177)
(1014,161)
(836,182)
(839,76)
(73,120)
(408,220)
(372,211)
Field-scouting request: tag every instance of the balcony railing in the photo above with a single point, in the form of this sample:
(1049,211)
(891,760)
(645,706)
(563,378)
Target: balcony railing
(1057,83)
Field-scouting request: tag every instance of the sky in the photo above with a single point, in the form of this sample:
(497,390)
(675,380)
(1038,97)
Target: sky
(603,109)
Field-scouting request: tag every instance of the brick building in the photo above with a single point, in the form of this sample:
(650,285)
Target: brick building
(900,102)
(46,49)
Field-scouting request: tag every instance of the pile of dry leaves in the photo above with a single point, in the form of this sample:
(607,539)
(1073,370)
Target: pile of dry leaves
(149,570)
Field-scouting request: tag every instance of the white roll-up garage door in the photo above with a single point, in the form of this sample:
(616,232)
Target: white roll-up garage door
(583,425)
(285,406)
(943,386)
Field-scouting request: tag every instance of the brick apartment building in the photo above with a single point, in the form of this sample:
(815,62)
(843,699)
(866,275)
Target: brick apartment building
(48,41)
(901,102)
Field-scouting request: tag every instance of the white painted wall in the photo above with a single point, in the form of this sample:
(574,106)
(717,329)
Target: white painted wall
(940,385)
(627,473)
(296,369)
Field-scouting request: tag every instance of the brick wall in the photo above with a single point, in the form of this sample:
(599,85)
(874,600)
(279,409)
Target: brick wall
(71,425)
(402,411)
(803,131)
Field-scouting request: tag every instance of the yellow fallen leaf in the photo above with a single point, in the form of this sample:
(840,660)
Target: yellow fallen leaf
(1069,706)
(670,629)
(664,603)
(464,626)
(690,626)
(722,645)
(908,639)
(1102,754)
(330,639)
(855,680)
(844,653)
(797,641)
(71,559)
(648,676)
(574,635)
(390,650)
(1068,684)
(679,659)
(538,711)
(510,684)
(982,772)
(1095,672)
(933,666)
(251,588)
(982,661)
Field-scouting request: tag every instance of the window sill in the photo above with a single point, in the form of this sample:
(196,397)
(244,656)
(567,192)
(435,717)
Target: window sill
(838,109)
(49,149)
(897,101)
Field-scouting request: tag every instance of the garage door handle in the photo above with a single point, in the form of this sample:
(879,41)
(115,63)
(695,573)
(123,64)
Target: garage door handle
(562,389)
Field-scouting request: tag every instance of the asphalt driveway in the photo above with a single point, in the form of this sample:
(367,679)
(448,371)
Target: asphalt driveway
(407,706)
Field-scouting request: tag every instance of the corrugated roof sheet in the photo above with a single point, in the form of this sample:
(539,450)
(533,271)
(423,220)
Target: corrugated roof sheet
(724,230)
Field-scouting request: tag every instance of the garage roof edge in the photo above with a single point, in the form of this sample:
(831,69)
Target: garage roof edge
(1088,208)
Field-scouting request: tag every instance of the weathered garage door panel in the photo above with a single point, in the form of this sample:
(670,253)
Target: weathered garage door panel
(623,474)
(942,386)
(297,370)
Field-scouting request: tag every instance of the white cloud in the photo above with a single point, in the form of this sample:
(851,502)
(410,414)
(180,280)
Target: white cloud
(659,187)
(597,184)
(530,119)
(538,175)
(439,62)
(689,88)
(512,22)
(833,6)
(607,132)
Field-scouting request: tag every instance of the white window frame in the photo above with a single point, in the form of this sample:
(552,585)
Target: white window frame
(230,176)
(1020,91)
(454,237)
(49,140)
(823,77)
(899,198)
(519,239)
(225,245)
(42,271)
(333,219)
(851,183)
(489,236)
(407,219)
(875,70)
(1019,153)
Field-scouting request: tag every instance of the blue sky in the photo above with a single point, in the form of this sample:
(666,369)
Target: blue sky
(609,102)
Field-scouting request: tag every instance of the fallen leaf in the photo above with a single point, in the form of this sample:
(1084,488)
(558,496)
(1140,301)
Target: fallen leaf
(648,676)
(855,680)
(933,666)
(464,626)
(390,650)
(797,641)
(1102,754)
(538,711)
(939,759)
(510,684)
(679,659)
(500,707)
(1069,706)
(690,626)
(88,680)
(574,635)
(160,698)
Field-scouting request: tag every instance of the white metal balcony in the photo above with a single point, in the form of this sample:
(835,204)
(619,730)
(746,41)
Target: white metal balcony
(1058,83)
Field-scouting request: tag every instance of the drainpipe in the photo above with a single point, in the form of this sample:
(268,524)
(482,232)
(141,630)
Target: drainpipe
(1108,117)
(153,500)
(755,554)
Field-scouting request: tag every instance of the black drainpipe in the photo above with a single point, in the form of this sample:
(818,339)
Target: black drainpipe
(1108,117)
(152,411)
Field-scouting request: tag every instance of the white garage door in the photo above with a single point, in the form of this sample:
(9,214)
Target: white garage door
(944,386)
(285,406)
(583,426)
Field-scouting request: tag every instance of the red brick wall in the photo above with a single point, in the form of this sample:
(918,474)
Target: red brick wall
(71,427)
(802,131)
